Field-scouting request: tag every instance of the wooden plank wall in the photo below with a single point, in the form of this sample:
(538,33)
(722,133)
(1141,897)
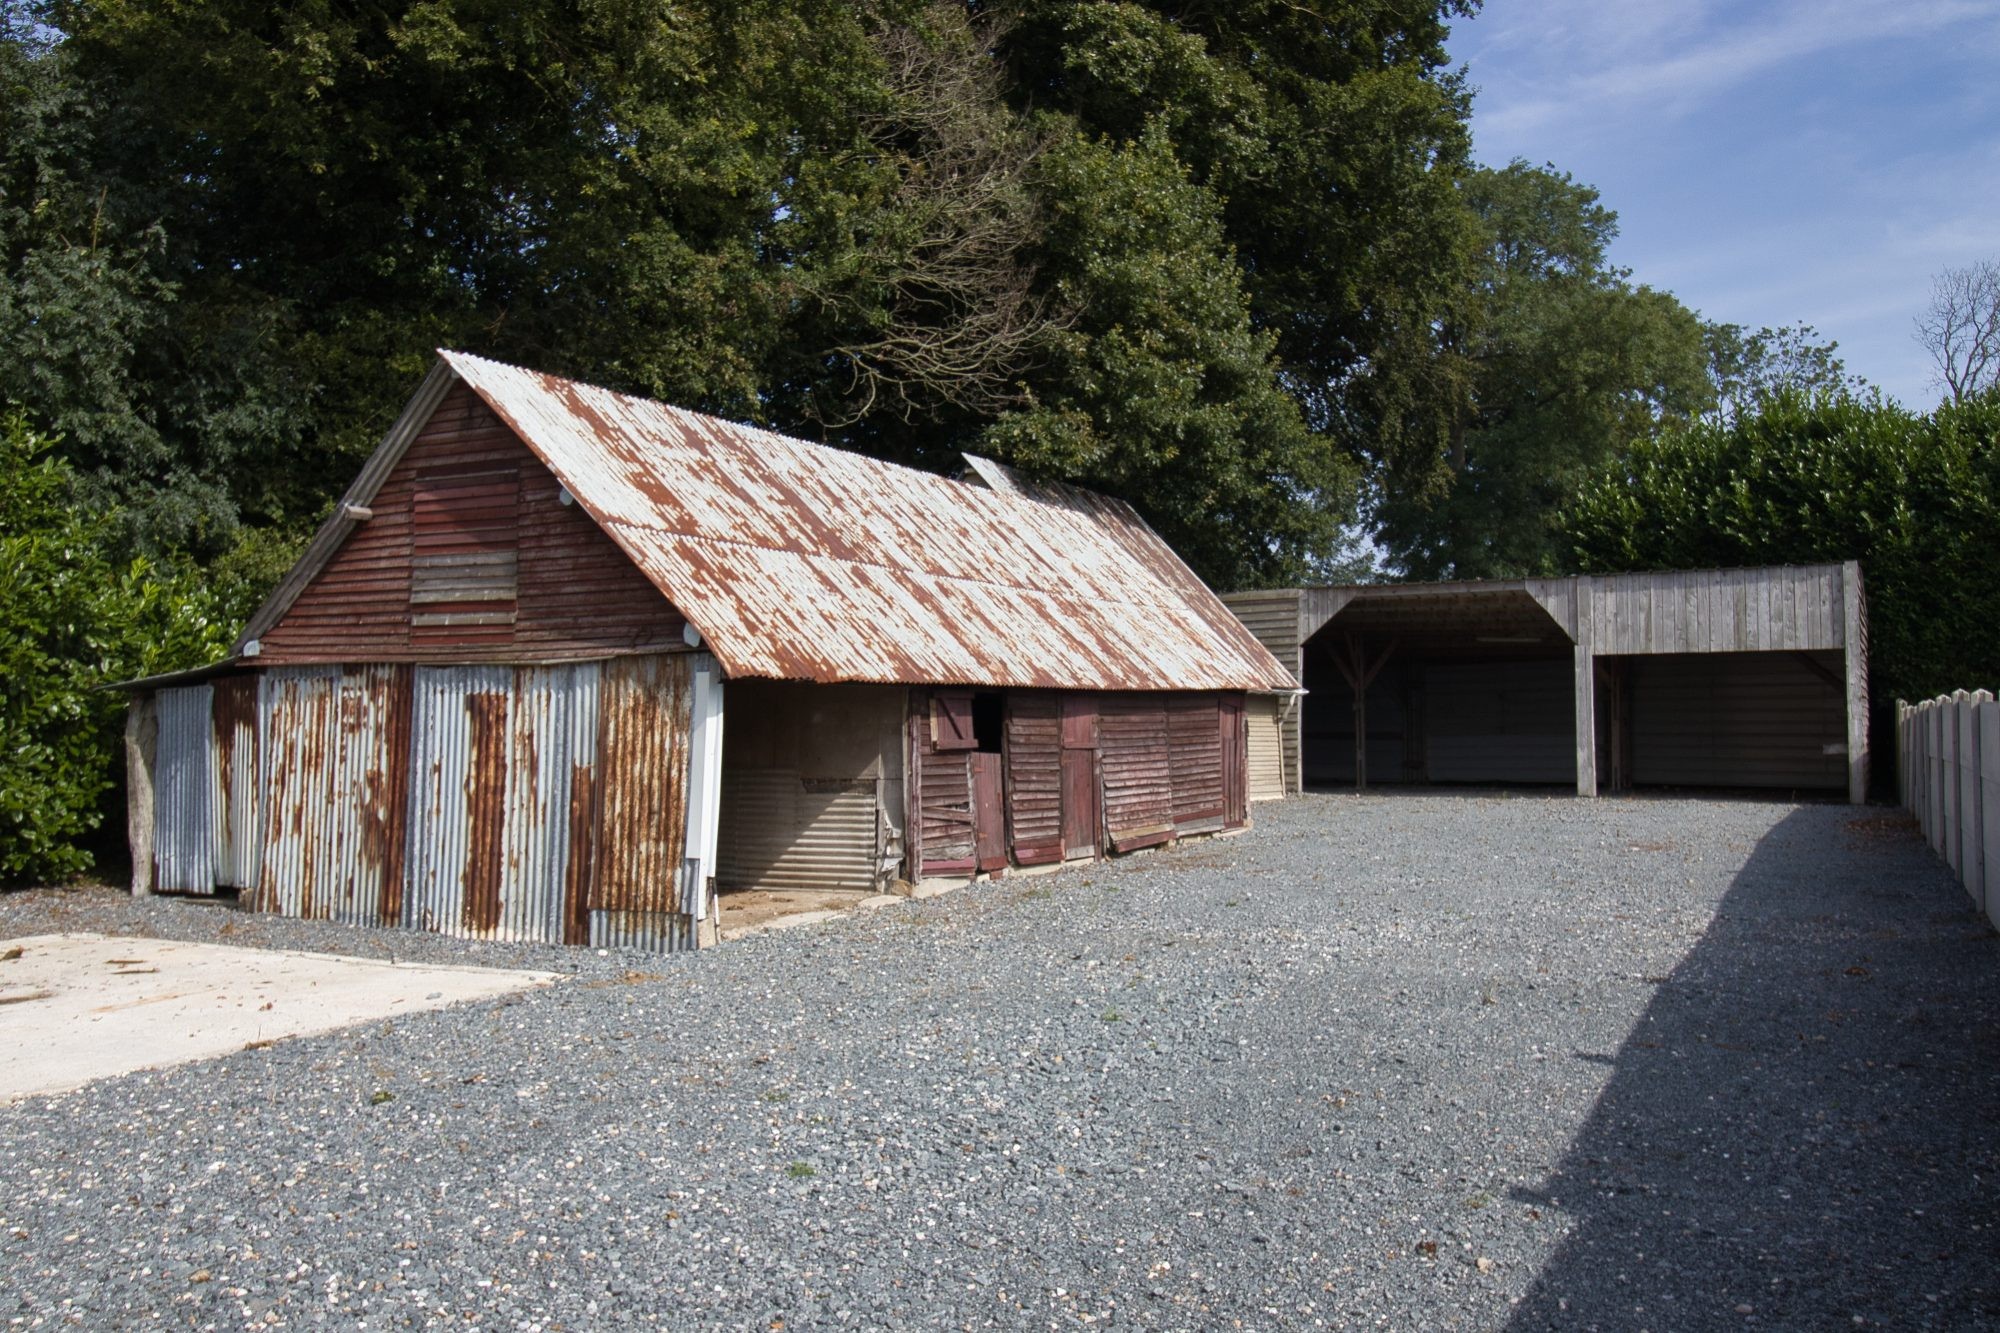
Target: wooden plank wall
(1948,774)
(1274,616)
(1791,608)
(576,596)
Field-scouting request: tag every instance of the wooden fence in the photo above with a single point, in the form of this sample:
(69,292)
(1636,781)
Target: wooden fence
(1948,765)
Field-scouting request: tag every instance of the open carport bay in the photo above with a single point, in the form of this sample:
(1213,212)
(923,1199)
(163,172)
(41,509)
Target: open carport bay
(1444,1060)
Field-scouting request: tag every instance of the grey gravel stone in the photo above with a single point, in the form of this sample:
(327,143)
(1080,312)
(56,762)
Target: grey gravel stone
(1415,1061)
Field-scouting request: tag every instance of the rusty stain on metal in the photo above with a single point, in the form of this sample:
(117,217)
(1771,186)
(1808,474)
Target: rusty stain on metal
(799,561)
(485,804)
(236,853)
(582,849)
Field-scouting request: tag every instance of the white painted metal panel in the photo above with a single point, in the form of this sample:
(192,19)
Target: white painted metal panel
(1965,721)
(1266,771)
(1988,722)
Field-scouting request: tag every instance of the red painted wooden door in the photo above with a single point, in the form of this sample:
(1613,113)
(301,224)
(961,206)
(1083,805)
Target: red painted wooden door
(989,810)
(1082,820)
(1235,762)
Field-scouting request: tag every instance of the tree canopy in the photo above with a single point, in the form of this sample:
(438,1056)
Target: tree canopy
(1566,362)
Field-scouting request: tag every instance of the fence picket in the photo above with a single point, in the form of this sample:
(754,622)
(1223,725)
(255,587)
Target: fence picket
(1948,775)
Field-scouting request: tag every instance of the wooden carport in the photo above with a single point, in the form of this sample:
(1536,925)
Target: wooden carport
(1733,641)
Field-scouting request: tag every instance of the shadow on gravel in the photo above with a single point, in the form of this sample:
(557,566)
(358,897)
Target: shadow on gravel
(1804,1128)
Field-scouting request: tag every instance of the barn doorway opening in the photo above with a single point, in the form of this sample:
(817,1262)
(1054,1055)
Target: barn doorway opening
(1439,684)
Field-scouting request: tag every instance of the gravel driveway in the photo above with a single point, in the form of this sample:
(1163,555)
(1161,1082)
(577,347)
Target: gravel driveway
(1438,1061)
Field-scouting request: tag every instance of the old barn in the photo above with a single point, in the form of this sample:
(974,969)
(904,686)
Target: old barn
(565,664)
(1730,678)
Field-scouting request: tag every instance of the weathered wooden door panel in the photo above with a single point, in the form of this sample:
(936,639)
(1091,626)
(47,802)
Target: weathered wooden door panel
(1083,820)
(989,823)
(1137,770)
(1082,808)
(1034,788)
(1235,779)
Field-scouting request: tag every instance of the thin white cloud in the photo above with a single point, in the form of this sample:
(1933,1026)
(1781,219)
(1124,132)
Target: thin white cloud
(1599,63)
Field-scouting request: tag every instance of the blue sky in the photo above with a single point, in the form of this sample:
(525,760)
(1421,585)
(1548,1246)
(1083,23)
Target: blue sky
(1770,162)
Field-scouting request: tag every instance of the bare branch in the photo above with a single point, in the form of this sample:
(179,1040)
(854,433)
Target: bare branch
(954,315)
(1961,329)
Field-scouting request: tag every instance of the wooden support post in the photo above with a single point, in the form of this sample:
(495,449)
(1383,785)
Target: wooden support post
(142,731)
(1360,675)
(1586,693)
(1854,644)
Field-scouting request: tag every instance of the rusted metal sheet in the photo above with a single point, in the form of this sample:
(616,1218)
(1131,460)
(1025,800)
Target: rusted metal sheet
(551,737)
(499,756)
(1194,732)
(1034,789)
(798,561)
(187,794)
(332,768)
(638,900)
(236,836)
(1136,758)
(454,803)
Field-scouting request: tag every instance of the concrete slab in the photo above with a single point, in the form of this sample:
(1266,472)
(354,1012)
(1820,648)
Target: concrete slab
(79,1007)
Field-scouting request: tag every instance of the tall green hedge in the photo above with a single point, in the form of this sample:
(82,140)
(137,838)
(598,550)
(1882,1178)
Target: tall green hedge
(72,621)
(1914,498)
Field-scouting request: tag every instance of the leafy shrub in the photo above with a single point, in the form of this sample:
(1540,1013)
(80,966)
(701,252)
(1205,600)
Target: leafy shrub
(72,621)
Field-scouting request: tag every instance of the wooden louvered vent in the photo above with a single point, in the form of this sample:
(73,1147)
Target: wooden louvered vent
(464,558)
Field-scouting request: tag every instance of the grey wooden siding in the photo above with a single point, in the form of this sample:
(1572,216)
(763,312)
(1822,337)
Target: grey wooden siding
(1737,720)
(1788,608)
(1272,615)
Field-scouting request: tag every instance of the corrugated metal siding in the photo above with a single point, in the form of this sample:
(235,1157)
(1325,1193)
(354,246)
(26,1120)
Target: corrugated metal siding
(1034,778)
(802,562)
(237,843)
(187,793)
(553,738)
(576,595)
(1267,748)
(648,708)
(1500,722)
(1737,720)
(457,786)
(1194,730)
(785,831)
(333,768)
(1136,760)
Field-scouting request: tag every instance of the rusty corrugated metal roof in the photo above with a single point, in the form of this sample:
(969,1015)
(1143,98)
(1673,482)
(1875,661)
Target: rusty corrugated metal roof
(801,561)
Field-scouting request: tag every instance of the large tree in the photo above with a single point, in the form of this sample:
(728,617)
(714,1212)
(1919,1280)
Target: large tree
(1567,361)
(835,219)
